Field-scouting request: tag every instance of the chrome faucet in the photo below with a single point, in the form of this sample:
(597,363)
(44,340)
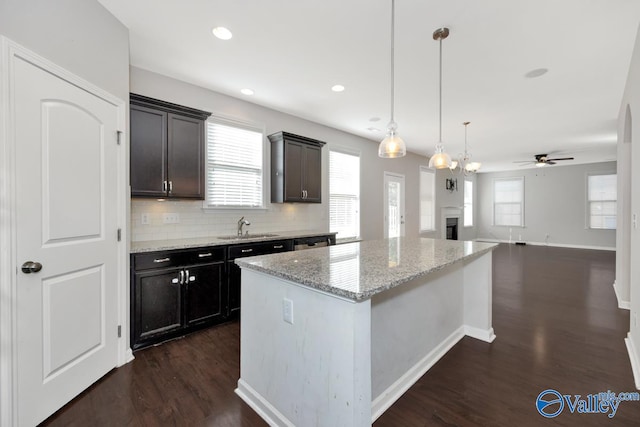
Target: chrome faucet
(242,222)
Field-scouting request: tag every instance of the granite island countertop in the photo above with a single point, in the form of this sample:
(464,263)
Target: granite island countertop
(360,270)
(162,245)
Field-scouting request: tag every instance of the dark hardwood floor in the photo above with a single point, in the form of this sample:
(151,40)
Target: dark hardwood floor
(557,325)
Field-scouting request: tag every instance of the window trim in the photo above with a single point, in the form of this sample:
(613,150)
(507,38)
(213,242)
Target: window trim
(587,211)
(431,171)
(493,204)
(266,183)
(472,203)
(349,152)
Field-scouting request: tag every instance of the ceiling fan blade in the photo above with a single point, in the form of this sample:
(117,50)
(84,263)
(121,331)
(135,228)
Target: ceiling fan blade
(549,162)
(525,161)
(562,158)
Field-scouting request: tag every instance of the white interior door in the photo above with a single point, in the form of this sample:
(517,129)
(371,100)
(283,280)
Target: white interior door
(66,221)
(393,205)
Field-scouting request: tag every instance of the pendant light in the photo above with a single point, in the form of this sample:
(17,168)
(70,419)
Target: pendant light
(392,145)
(467,167)
(440,159)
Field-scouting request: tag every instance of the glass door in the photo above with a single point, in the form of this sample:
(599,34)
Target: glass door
(393,205)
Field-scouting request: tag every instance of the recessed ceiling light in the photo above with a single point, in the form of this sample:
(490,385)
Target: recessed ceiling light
(337,88)
(222,33)
(247,92)
(374,119)
(536,73)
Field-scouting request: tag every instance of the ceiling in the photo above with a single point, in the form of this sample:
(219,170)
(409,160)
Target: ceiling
(292,52)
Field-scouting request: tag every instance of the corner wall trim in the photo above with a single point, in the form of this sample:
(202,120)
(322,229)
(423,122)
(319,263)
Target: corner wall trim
(633,358)
(622,304)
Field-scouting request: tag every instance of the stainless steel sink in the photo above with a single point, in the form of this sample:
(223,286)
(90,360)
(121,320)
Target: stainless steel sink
(247,236)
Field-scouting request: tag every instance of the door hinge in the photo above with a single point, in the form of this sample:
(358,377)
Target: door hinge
(119,331)
(119,136)
(119,234)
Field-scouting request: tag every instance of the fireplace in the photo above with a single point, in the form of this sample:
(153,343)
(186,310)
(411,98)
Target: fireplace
(452,228)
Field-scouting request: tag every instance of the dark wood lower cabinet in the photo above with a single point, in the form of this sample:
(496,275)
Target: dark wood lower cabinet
(185,294)
(158,302)
(204,293)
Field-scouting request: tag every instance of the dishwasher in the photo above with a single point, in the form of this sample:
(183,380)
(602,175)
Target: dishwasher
(310,242)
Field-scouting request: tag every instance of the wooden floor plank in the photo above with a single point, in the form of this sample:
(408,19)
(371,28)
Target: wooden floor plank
(557,325)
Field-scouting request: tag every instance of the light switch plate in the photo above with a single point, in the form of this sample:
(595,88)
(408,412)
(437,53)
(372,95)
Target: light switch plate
(144,219)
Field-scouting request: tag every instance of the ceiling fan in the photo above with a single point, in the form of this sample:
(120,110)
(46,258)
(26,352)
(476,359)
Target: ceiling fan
(543,160)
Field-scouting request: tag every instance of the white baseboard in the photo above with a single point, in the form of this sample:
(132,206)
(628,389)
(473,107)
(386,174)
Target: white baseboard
(556,245)
(634,358)
(486,335)
(271,415)
(625,305)
(400,386)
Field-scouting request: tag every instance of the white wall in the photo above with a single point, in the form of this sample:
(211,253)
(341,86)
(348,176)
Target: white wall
(79,35)
(276,217)
(629,182)
(555,204)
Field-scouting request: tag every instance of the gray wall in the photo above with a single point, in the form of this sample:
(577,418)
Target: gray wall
(372,167)
(79,35)
(555,204)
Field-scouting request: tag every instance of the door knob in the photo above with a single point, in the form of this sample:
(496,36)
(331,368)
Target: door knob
(31,267)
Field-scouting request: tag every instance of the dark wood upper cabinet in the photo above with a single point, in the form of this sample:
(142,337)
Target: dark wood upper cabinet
(296,168)
(167,149)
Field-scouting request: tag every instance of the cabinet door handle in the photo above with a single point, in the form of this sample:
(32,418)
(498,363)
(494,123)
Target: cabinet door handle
(181,277)
(164,186)
(247,250)
(186,276)
(157,260)
(302,191)
(204,255)
(170,186)
(278,246)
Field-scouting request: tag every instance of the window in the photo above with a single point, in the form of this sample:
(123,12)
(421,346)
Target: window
(508,202)
(427,199)
(468,203)
(602,196)
(344,194)
(234,165)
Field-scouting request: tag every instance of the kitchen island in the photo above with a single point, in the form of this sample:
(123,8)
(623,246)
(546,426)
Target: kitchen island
(333,336)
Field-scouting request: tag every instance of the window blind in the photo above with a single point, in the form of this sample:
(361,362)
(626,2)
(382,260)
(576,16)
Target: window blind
(344,194)
(234,166)
(508,202)
(602,201)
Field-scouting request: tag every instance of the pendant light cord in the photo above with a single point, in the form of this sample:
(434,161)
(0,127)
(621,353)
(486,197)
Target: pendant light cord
(393,13)
(440,137)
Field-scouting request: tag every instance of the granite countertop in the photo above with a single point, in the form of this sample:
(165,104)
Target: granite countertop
(161,245)
(358,271)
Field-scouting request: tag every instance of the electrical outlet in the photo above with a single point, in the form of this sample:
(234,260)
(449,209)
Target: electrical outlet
(287,310)
(144,219)
(171,218)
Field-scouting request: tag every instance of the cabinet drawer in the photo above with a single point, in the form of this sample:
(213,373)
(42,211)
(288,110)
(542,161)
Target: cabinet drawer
(203,255)
(177,258)
(156,260)
(253,249)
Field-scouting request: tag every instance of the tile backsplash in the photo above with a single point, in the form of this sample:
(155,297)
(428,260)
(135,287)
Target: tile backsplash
(197,222)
